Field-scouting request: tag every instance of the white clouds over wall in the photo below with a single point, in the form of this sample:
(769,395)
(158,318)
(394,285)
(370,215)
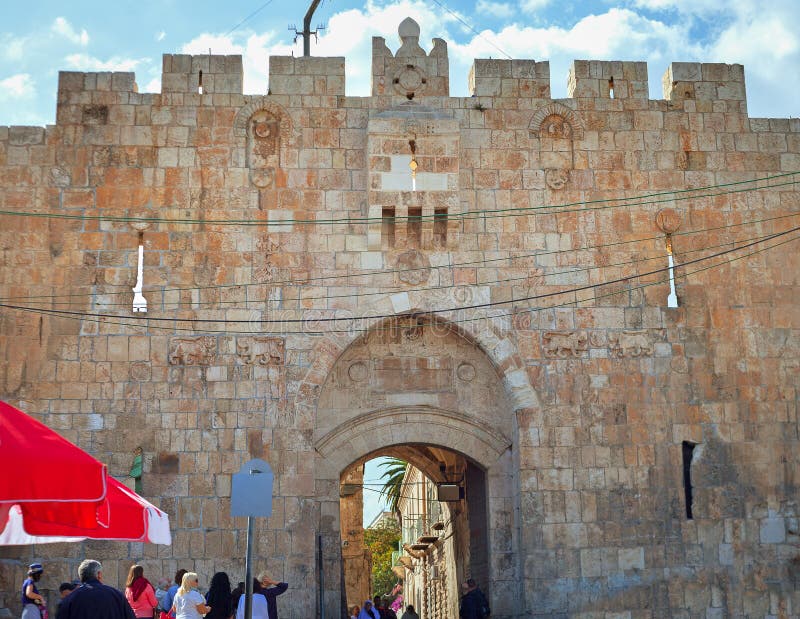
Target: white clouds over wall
(20,86)
(63,28)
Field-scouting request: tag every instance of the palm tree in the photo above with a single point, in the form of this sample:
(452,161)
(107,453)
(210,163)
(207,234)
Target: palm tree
(394,470)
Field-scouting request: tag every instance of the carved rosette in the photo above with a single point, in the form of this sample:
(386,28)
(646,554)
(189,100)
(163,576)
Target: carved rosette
(413,267)
(669,220)
(410,81)
(630,344)
(191,350)
(260,350)
(564,344)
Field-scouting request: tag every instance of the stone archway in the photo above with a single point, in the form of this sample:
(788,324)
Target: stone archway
(420,380)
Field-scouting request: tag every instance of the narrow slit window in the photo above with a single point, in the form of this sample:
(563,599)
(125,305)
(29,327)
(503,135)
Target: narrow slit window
(415,227)
(440,228)
(200,83)
(611,87)
(387,227)
(688,454)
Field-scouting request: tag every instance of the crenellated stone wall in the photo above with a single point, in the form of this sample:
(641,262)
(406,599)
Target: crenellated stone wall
(519,267)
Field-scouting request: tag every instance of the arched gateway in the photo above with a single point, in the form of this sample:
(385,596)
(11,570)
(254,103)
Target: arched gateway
(420,380)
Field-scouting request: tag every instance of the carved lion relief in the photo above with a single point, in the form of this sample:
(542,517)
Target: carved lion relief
(260,350)
(630,344)
(564,344)
(191,350)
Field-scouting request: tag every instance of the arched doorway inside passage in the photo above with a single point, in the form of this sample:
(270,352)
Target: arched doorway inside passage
(421,380)
(437,533)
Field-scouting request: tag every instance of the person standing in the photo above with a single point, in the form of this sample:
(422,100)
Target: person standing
(32,600)
(141,595)
(473,603)
(219,597)
(93,599)
(410,613)
(188,602)
(259,603)
(169,596)
(368,612)
(271,589)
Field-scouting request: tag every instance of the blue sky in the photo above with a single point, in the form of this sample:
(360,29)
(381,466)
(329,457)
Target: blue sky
(40,38)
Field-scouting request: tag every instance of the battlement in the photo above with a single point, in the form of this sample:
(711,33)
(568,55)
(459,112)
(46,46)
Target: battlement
(510,78)
(204,74)
(704,81)
(107,81)
(306,75)
(607,79)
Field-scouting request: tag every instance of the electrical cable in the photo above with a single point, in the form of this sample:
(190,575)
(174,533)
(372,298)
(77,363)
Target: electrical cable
(641,200)
(109,319)
(248,18)
(465,23)
(245,304)
(484,261)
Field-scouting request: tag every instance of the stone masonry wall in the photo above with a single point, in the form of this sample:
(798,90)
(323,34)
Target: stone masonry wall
(536,261)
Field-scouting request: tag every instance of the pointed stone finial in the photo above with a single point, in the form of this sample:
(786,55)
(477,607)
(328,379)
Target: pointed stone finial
(409,36)
(408,29)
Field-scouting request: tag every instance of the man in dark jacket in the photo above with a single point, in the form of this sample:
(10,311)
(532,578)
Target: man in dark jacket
(93,599)
(473,603)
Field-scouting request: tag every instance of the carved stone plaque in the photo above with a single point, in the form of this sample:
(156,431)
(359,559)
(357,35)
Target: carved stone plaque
(260,350)
(191,350)
(565,344)
(413,267)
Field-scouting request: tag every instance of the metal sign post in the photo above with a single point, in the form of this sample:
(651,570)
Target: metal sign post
(251,496)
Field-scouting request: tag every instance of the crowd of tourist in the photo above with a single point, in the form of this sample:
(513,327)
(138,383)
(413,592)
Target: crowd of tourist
(90,598)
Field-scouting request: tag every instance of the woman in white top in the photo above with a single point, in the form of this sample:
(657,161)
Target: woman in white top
(189,603)
(259,603)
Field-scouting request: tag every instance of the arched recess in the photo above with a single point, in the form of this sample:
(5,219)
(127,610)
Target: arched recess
(420,380)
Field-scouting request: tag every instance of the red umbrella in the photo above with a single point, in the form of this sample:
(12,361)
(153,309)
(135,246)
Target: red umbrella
(55,510)
(36,461)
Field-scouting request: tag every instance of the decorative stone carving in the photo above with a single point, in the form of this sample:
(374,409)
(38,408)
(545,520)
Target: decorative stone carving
(555,126)
(556,120)
(556,179)
(669,220)
(413,267)
(263,148)
(358,371)
(521,320)
(191,350)
(466,372)
(564,344)
(140,371)
(260,350)
(630,344)
(410,80)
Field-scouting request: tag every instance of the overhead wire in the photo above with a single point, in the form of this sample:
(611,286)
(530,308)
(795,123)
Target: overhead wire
(282,300)
(604,203)
(375,273)
(147,322)
(465,23)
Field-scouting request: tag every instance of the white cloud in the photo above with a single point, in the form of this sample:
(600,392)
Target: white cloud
(531,6)
(63,28)
(160,35)
(13,48)
(85,62)
(20,86)
(501,10)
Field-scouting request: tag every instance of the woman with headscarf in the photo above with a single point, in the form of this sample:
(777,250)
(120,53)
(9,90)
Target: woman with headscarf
(141,595)
(189,603)
(219,597)
(368,611)
(32,601)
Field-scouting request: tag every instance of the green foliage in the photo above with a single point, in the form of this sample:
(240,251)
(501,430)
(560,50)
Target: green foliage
(394,470)
(382,542)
